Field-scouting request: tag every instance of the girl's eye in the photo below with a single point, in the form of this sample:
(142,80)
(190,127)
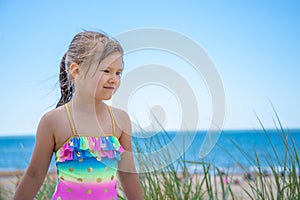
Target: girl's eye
(119,73)
(107,71)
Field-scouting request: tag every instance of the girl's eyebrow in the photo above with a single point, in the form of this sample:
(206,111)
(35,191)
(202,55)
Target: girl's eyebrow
(119,69)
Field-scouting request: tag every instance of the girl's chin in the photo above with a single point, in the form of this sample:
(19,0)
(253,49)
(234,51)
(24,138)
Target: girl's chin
(104,98)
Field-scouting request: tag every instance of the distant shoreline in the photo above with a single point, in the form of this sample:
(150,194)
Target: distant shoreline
(200,131)
(11,173)
(17,150)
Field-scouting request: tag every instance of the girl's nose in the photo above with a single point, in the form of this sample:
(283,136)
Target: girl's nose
(113,78)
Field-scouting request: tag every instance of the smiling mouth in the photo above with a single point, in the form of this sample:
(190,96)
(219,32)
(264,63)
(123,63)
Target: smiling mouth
(109,88)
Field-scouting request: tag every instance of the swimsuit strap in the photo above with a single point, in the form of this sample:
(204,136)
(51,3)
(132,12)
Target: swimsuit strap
(72,122)
(112,120)
(71,119)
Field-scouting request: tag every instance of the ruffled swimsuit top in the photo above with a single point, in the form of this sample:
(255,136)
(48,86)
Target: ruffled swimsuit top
(87,165)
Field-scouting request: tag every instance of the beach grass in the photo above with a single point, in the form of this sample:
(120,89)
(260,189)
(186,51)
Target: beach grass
(175,181)
(280,181)
(2,192)
(284,180)
(47,188)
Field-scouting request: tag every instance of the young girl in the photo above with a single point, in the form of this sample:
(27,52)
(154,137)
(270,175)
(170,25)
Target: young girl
(91,140)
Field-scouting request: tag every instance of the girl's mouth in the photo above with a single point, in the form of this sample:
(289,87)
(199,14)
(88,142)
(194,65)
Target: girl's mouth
(109,88)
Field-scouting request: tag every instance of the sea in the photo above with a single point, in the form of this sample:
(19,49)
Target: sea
(232,150)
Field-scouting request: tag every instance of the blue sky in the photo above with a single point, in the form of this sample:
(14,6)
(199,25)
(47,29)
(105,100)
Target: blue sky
(255,46)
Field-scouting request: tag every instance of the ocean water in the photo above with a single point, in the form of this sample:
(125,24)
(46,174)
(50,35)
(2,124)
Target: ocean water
(234,151)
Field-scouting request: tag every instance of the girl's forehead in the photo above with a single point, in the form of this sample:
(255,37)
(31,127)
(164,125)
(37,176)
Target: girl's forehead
(112,61)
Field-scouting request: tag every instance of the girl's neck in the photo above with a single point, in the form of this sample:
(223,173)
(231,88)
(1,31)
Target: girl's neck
(88,115)
(87,105)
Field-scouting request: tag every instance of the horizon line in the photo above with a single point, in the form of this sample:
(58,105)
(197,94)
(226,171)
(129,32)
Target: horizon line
(174,130)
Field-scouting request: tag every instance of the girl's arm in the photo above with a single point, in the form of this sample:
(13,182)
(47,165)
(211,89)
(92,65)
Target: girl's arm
(38,166)
(126,169)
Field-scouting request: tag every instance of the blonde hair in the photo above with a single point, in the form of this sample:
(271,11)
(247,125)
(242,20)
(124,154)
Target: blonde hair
(85,48)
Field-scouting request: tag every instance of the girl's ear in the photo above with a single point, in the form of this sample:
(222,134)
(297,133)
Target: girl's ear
(74,69)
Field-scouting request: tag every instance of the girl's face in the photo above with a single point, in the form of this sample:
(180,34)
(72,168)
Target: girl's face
(101,82)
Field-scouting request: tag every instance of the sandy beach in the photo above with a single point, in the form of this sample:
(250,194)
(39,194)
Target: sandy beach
(9,181)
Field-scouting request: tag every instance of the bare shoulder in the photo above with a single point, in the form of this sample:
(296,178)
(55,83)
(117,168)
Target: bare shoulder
(46,121)
(52,117)
(57,124)
(122,120)
(53,120)
(120,114)
(45,131)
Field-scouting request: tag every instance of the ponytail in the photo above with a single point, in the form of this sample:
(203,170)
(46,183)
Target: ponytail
(66,84)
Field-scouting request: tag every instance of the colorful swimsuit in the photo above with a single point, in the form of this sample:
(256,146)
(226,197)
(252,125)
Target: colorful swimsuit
(87,165)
